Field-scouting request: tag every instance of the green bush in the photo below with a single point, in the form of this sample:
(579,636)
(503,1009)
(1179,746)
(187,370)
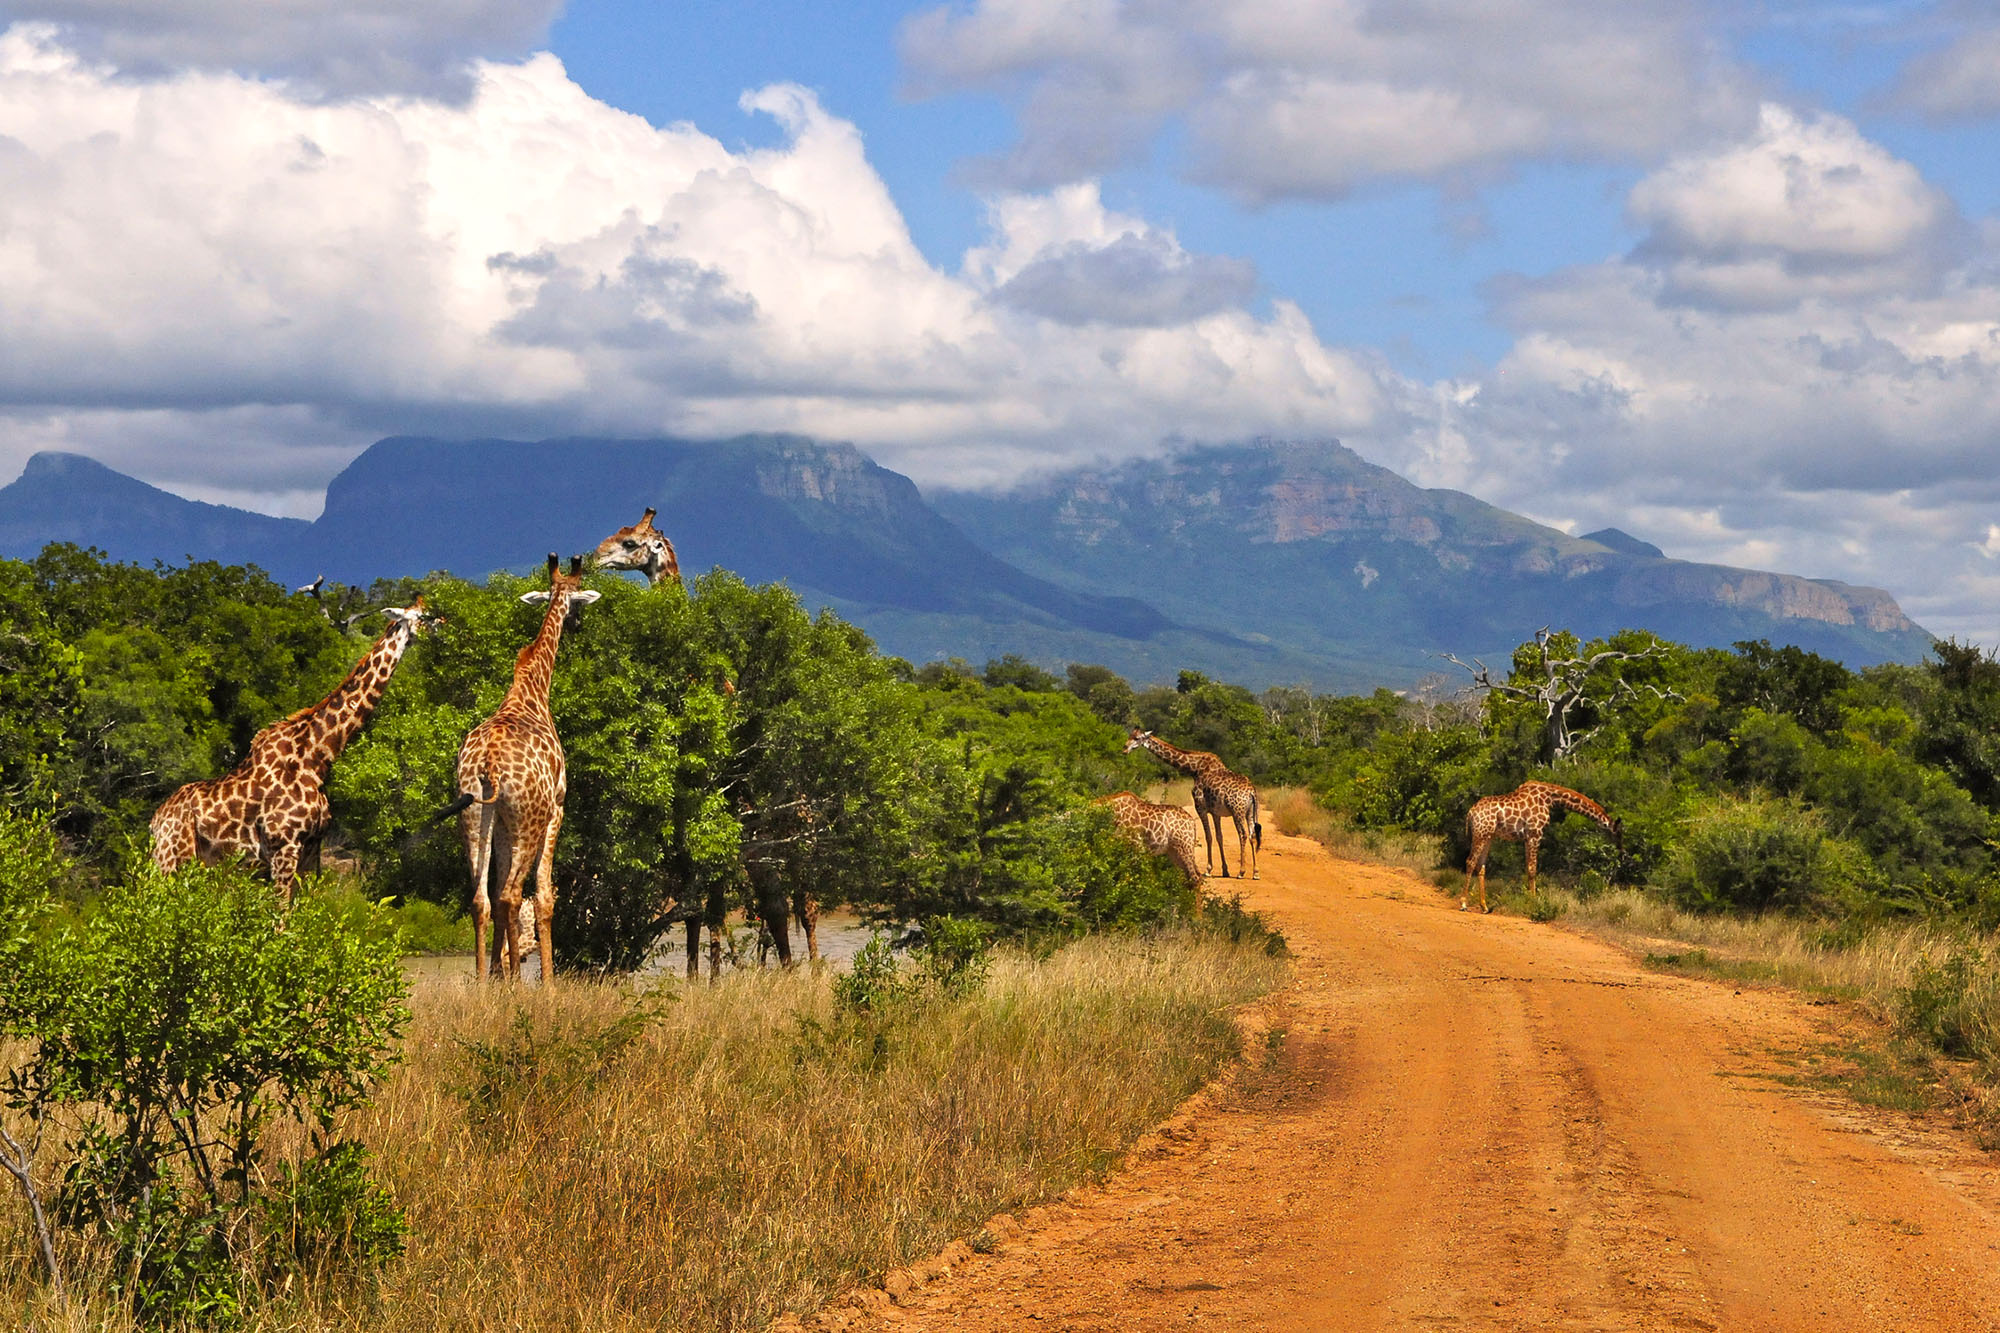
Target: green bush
(1949,1002)
(169,1029)
(1761,853)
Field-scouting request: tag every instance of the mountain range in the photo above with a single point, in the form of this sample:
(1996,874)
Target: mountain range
(1265,562)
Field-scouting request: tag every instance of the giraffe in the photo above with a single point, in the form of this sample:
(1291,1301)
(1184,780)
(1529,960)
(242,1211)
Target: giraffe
(1217,790)
(511,784)
(1522,815)
(1163,830)
(271,806)
(642,547)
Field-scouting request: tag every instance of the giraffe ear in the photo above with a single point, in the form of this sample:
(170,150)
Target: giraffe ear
(585,597)
(539,595)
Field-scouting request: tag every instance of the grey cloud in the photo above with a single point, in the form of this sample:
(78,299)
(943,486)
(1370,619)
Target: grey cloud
(1959,82)
(1316,97)
(1135,281)
(325,47)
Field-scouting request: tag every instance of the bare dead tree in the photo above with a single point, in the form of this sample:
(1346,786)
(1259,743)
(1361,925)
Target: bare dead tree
(1561,688)
(18,1159)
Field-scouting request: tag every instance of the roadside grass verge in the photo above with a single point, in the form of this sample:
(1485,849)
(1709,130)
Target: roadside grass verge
(709,1158)
(1932,985)
(1295,812)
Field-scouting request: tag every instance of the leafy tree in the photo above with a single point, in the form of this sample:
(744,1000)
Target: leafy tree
(1785,682)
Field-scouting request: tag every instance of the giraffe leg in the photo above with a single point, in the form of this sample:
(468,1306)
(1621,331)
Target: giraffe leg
(476,824)
(506,878)
(1215,842)
(1474,862)
(807,908)
(1534,845)
(775,913)
(285,867)
(545,901)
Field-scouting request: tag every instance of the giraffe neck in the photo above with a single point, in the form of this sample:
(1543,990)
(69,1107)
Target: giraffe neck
(536,665)
(1184,760)
(339,718)
(1583,805)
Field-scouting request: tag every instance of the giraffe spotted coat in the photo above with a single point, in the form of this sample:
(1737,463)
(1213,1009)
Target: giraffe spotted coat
(1164,830)
(1219,790)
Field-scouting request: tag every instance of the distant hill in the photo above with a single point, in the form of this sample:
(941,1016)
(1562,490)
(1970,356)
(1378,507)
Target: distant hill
(1260,563)
(70,498)
(1308,548)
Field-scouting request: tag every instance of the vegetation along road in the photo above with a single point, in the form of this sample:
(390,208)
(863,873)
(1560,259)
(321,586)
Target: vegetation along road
(1482,1122)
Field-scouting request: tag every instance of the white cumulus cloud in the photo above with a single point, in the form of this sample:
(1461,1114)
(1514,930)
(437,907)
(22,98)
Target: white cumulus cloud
(531,260)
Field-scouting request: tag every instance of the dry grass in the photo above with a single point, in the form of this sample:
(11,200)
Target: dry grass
(1294,811)
(742,1150)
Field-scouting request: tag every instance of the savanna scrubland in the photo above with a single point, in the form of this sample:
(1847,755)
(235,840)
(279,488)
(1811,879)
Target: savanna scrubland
(615,1153)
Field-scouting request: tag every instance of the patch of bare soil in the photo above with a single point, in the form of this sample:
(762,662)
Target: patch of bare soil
(1484,1123)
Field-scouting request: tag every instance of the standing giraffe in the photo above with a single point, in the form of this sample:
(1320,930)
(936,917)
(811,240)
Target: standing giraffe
(273,804)
(1163,830)
(511,785)
(1522,815)
(642,547)
(1217,789)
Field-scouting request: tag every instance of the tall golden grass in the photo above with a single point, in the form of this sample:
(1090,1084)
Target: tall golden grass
(1295,812)
(709,1158)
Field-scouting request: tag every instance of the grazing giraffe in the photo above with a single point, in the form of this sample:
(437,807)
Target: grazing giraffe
(1522,815)
(642,547)
(273,804)
(511,784)
(1163,830)
(1217,789)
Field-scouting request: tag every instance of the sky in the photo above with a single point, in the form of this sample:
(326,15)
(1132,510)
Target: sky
(1724,276)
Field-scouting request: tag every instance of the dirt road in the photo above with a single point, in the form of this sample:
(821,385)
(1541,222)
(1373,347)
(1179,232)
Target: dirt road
(1483,1123)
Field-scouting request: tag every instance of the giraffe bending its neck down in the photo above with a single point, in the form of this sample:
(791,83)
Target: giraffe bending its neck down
(273,804)
(1217,789)
(1163,830)
(642,547)
(511,784)
(1522,815)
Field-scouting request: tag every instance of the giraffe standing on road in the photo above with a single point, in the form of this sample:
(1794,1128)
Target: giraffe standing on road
(273,804)
(1218,790)
(1522,815)
(511,785)
(1163,830)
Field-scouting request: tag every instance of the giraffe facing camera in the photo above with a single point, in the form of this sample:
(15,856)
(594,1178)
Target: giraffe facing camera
(640,547)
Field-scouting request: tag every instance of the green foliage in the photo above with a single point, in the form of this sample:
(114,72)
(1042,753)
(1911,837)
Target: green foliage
(529,1080)
(325,1217)
(1760,853)
(954,955)
(1231,920)
(873,981)
(171,1027)
(1421,780)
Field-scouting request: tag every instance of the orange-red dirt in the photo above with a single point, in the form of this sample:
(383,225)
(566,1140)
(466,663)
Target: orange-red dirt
(1484,1123)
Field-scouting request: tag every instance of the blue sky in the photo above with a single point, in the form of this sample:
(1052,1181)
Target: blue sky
(1726,276)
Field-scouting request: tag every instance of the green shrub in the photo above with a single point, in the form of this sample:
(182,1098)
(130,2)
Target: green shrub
(325,1216)
(169,1029)
(955,955)
(1757,854)
(872,982)
(1949,1002)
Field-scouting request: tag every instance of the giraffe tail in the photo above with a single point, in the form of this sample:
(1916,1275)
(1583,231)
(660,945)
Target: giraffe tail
(462,801)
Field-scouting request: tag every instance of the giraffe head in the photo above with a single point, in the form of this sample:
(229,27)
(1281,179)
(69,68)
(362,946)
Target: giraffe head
(417,616)
(1137,740)
(568,586)
(642,547)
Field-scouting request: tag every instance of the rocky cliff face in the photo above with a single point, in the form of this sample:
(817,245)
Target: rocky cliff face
(1307,539)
